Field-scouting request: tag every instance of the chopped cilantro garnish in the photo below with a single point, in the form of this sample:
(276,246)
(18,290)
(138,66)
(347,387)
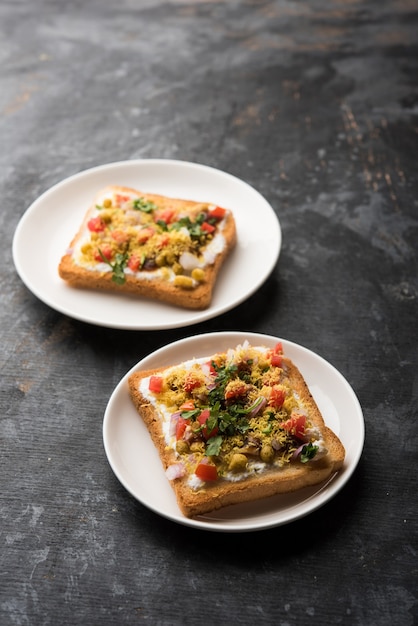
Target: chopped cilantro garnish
(223,376)
(213,446)
(228,420)
(189,414)
(140,204)
(245,376)
(118,267)
(194,228)
(162,225)
(308,452)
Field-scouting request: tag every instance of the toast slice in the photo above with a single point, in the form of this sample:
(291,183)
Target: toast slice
(235,427)
(150,245)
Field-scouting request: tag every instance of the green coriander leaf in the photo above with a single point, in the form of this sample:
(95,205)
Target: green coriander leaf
(183,222)
(194,228)
(162,225)
(140,204)
(118,267)
(308,452)
(211,422)
(201,218)
(189,414)
(213,445)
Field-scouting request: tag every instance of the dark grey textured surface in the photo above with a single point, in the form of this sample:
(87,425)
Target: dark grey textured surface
(314,104)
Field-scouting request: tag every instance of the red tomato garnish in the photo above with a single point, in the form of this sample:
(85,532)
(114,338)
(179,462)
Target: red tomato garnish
(96,225)
(207,227)
(187,406)
(277,397)
(119,236)
(212,370)
(204,416)
(206,471)
(237,390)
(163,241)
(106,251)
(145,234)
(181,427)
(276,360)
(191,382)
(165,215)
(295,424)
(217,213)
(155,384)
(134,262)
(202,419)
(276,355)
(121,199)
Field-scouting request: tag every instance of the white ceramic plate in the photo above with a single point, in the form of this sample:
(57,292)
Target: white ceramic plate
(48,226)
(136,463)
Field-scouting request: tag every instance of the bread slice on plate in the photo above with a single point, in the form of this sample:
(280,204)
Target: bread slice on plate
(235,427)
(150,245)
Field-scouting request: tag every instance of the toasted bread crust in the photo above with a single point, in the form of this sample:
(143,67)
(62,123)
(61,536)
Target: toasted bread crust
(198,297)
(213,496)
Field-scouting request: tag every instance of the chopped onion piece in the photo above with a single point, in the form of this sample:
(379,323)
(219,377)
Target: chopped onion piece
(173,423)
(189,261)
(177,470)
(276,445)
(297,452)
(258,405)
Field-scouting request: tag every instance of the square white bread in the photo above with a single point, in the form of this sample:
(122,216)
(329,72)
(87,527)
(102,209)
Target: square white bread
(235,427)
(151,246)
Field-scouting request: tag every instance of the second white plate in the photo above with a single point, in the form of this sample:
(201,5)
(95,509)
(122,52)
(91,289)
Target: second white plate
(47,227)
(136,463)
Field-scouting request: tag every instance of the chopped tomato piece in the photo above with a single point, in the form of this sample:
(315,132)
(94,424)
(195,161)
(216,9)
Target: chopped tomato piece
(121,199)
(212,370)
(191,382)
(277,397)
(155,384)
(276,360)
(217,213)
(187,406)
(106,251)
(295,424)
(163,240)
(181,427)
(134,262)
(205,414)
(119,236)
(207,227)
(276,355)
(206,471)
(96,224)
(278,348)
(165,215)
(202,419)
(235,389)
(145,234)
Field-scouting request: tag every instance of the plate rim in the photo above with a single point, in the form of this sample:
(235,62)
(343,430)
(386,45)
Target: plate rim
(187,317)
(317,499)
